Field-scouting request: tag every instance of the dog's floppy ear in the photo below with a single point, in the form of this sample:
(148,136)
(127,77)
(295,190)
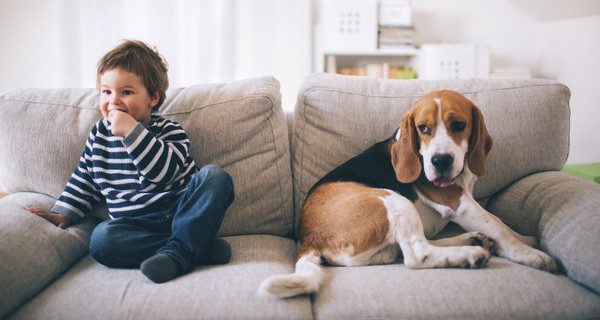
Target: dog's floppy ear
(480,143)
(405,152)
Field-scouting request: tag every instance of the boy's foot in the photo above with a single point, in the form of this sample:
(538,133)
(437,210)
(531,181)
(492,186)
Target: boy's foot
(219,252)
(161,268)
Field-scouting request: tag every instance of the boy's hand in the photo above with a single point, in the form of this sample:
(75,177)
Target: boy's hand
(121,123)
(56,219)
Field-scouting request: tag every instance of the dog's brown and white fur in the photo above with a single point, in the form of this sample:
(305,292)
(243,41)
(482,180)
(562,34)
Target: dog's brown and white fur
(357,215)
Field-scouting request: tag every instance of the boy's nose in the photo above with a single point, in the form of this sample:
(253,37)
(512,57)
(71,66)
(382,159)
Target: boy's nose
(115,99)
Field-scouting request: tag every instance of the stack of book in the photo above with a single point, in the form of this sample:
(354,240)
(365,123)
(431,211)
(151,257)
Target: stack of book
(380,70)
(396,37)
(395,24)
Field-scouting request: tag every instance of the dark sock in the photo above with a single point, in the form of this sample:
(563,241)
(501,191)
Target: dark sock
(161,268)
(219,252)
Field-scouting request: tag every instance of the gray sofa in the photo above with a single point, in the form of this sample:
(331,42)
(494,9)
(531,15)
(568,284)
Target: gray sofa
(46,272)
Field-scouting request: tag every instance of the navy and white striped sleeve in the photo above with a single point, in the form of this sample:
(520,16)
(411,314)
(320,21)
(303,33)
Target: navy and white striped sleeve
(159,159)
(80,193)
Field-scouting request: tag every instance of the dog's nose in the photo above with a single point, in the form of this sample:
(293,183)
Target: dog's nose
(442,161)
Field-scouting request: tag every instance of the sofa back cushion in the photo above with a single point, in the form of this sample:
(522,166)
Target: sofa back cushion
(239,126)
(338,117)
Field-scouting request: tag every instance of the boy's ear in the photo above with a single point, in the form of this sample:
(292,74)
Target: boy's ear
(154,99)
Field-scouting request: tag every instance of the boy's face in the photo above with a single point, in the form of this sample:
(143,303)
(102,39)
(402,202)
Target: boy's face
(125,91)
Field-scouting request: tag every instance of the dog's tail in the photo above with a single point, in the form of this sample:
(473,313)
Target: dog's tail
(306,279)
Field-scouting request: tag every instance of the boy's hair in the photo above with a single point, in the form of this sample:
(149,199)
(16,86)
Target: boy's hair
(136,57)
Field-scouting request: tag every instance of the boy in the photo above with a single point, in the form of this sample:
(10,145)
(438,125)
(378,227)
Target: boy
(165,213)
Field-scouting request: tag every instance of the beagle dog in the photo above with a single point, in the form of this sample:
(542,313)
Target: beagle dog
(371,209)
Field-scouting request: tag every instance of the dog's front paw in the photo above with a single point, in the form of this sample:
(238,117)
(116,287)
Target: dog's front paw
(481,240)
(539,260)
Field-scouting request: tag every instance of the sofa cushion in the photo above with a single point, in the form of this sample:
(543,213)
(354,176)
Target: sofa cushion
(338,117)
(34,252)
(210,292)
(239,126)
(500,290)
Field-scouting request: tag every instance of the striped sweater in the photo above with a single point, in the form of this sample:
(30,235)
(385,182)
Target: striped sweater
(149,167)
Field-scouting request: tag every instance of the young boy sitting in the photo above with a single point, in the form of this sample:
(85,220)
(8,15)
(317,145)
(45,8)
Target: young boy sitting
(165,213)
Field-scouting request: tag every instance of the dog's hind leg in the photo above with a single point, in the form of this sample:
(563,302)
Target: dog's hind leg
(407,229)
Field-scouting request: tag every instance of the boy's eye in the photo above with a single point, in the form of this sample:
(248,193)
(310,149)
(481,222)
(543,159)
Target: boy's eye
(106,91)
(127,92)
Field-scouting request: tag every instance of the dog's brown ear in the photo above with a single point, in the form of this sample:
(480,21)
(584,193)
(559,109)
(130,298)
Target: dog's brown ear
(480,143)
(405,152)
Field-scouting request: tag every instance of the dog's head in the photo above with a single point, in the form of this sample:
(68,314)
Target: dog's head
(439,134)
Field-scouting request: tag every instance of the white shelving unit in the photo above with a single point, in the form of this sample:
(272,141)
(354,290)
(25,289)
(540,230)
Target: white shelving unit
(347,37)
(348,33)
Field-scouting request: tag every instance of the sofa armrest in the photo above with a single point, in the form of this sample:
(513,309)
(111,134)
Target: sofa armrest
(33,251)
(563,212)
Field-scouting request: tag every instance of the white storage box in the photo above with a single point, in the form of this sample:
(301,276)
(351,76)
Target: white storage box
(454,61)
(348,25)
(395,13)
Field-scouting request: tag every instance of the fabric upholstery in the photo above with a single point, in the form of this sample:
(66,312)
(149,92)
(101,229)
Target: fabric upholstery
(501,290)
(33,251)
(338,117)
(564,213)
(239,126)
(92,291)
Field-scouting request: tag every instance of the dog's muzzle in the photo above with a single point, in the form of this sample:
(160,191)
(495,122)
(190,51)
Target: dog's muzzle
(443,165)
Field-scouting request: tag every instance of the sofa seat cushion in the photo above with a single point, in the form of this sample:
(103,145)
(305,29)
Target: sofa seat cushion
(500,290)
(33,251)
(239,126)
(92,291)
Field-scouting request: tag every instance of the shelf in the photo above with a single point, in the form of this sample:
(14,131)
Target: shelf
(330,57)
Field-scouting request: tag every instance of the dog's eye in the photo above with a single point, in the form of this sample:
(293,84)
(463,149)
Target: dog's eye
(458,126)
(424,129)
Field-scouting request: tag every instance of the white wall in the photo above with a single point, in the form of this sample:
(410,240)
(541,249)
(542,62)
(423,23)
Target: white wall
(570,53)
(27,53)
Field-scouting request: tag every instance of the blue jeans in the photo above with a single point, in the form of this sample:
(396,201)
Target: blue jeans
(182,230)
